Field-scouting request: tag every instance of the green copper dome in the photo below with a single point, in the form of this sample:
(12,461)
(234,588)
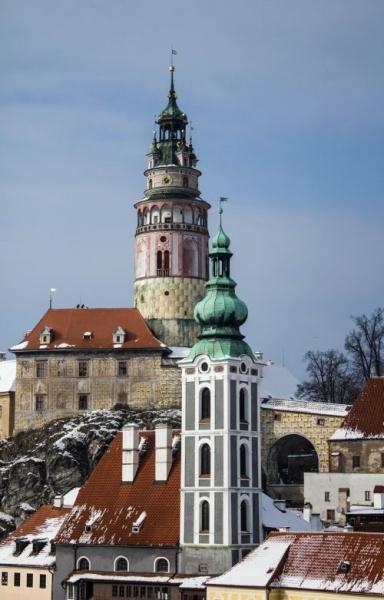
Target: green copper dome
(220,313)
(221,240)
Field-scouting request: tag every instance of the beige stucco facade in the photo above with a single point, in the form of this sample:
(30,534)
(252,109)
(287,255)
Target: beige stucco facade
(369,455)
(226,593)
(151,381)
(22,592)
(7,413)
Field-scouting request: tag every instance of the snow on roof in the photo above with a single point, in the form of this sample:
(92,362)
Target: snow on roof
(275,518)
(306,406)
(256,569)
(7,375)
(42,525)
(20,346)
(184,581)
(365,420)
(70,497)
(277,381)
(178,351)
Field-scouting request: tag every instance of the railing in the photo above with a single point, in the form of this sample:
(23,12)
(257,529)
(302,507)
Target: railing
(174,226)
(163,272)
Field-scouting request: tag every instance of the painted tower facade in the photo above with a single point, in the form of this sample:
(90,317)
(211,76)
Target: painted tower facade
(221,486)
(171,255)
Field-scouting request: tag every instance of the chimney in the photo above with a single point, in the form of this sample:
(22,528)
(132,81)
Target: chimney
(163,451)
(58,501)
(307,512)
(130,450)
(378,497)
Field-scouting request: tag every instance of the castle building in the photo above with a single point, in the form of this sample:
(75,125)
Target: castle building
(79,359)
(171,255)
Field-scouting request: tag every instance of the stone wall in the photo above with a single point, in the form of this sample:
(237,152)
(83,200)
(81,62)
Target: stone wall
(299,423)
(167,304)
(149,383)
(370,453)
(7,413)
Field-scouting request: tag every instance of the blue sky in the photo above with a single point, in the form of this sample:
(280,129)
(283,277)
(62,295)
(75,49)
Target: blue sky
(286,100)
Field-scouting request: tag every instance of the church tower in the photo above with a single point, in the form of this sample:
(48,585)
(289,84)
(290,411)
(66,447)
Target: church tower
(171,255)
(221,486)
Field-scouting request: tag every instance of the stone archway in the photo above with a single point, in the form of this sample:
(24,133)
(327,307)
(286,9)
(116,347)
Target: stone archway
(289,458)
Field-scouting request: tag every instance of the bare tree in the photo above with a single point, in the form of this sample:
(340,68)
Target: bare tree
(330,378)
(365,345)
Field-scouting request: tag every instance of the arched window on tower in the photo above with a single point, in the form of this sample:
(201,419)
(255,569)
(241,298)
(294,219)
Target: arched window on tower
(243,461)
(166,263)
(205,460)
(150,184)
(159,261)
(205,410)
(204,516)
(243,412)
(244,525)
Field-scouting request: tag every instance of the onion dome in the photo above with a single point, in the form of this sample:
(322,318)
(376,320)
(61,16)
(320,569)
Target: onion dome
(220,313)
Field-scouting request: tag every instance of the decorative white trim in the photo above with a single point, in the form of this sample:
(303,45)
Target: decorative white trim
(157,560)
(83,558)
(118,558)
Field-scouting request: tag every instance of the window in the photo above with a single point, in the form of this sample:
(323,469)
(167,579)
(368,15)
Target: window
(243,461)
(16,579)
(277,416)
(41,368)
(244,526)
(185,181)
(205,460)
(121,591)
(39,402)
(356,462)
(330,515)
(161,565)
(43,581)
(205,404)
(204,519)
(83,401)
(4,578)
(382,460)
(135,591)
(142,592)
(29,579)
(121,564)
(122,368)
(83,564)
(114,591)
(83,368)
(367,495)
(243,405)
(70,591)
(327,497)
(321,421)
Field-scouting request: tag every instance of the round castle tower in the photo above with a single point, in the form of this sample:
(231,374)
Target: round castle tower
(171,255)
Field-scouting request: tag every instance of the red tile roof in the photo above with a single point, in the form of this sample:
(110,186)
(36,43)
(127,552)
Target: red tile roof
(34,525)
(367,413)
(70,324)
(320,561)
(113,506)
(313,561)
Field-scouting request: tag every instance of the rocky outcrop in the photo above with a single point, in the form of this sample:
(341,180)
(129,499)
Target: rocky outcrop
(39,464)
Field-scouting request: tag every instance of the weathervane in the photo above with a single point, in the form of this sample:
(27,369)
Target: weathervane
(221,200)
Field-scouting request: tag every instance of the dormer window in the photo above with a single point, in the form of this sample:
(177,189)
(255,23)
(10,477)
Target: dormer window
(118,335)
(87,335)
(46,336)
(21,544)
(38,545)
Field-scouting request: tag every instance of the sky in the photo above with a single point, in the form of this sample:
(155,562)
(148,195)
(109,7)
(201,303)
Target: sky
(286,101)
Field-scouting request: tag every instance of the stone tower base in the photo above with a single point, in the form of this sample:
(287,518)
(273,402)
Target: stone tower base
(167,304)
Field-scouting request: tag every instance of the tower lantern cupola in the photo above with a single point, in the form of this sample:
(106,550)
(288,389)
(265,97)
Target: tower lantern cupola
(172,231)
